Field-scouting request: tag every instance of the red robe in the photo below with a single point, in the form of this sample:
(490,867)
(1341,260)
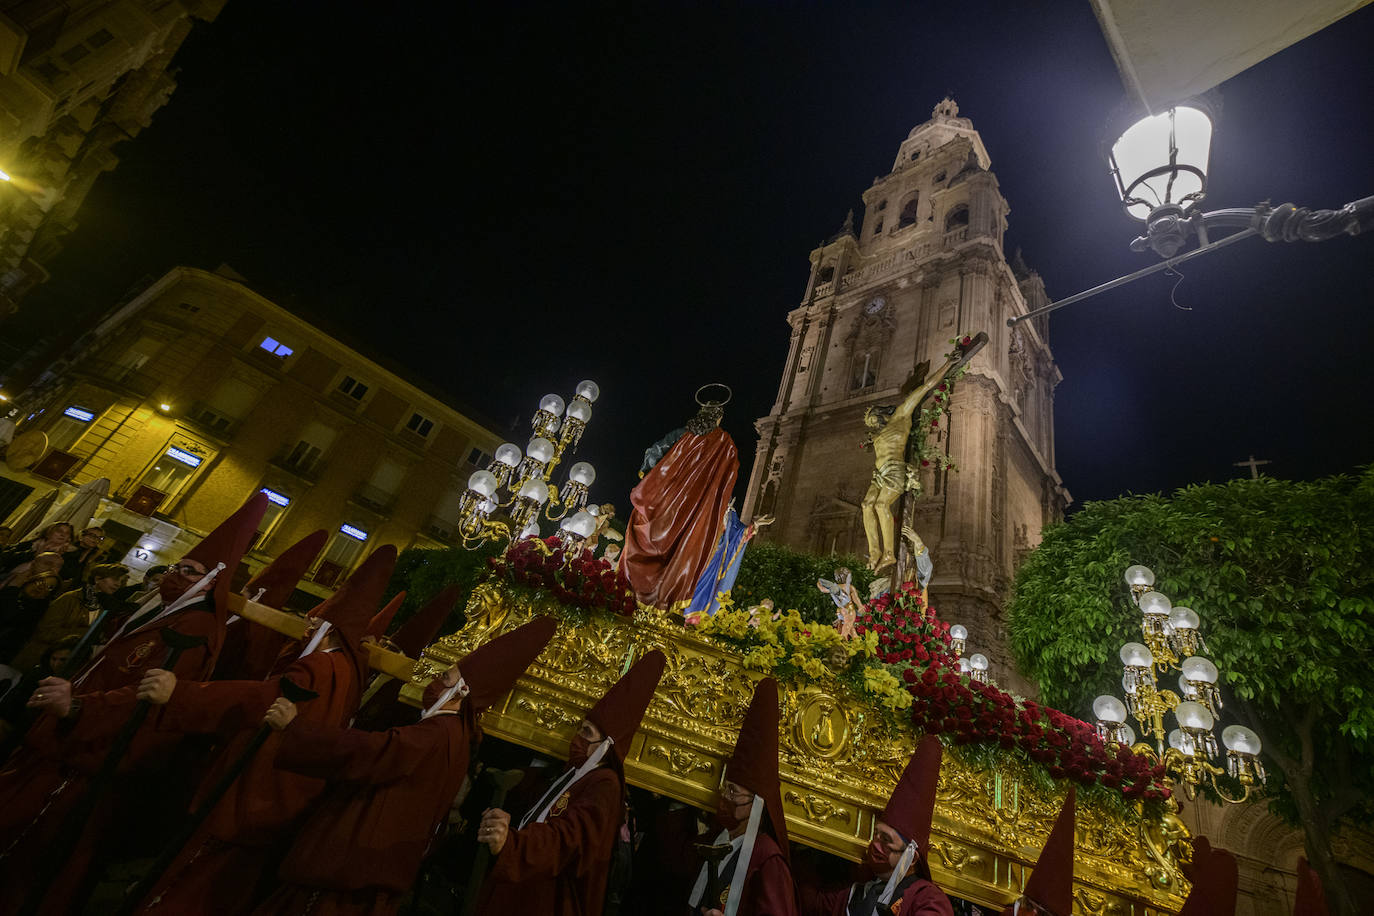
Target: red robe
(361,848)
(676,520)
(222,867)
(560,867)
(768,886)
(50,774)
(250,651)
(918,897)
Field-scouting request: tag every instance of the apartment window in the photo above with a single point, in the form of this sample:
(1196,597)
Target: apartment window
(69,427)
(172,470)
(343,551)
(314,442)
(188,307)
(99,38)
(275,347)
(74,54)
(478,458)
(419,424)
(353,388)
(50,72)
(231,400)
(277,504)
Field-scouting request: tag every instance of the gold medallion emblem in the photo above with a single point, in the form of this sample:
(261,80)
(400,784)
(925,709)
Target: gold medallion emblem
(896,906)
(724,895)
(560,805)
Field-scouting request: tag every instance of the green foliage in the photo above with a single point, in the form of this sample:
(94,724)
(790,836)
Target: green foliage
(423,572)
(789,578)
(1282,575)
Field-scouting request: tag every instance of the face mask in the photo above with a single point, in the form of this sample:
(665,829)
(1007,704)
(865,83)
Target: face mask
(727,813)
(578,751)
(876,858)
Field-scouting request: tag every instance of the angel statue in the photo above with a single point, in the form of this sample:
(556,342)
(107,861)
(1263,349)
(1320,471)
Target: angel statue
(890,434)
(848,604)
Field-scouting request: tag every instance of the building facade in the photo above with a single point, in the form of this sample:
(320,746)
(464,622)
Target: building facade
(76,80)
(925,266)
(199,392)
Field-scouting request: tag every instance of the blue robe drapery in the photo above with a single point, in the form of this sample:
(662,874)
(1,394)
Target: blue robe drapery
(719,575)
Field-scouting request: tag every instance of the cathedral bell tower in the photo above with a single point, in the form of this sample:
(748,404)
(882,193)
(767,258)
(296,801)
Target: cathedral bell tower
(925,266)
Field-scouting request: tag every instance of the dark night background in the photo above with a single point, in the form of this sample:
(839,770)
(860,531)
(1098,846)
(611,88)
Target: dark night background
(508,198)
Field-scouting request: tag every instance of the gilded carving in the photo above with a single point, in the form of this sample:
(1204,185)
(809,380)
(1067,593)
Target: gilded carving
(838,756)
(816,808)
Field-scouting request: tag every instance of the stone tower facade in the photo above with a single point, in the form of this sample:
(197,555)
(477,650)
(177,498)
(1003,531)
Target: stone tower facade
(925,266)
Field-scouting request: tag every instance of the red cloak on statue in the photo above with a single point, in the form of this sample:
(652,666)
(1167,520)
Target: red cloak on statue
(678,509)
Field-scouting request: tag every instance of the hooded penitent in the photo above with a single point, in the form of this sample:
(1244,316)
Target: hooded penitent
(279,579)
(250,649)
(754,763)
(1215,878)
(1051,882)
(419,631)
(352,607)
(911,808)
(376,627)
(1311,898)
(225,546)
(491,670)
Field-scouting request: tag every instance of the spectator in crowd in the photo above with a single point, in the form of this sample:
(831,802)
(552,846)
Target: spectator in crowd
(15,560)
(23,603)
(71,613)
(89,550)
(137,594)
(51,663)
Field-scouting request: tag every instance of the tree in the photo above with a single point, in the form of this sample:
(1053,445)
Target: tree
(424,572)
(789,578)
(1282,575)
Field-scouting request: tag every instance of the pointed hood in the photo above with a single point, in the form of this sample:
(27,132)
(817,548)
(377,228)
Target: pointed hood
(492,669)
(1051,882)
(1216,878)
(351,608)
(419,631)
(280,577)
(911,808)
(754,763)
(227,544)
(377,626)
(620,710)
(1311,898)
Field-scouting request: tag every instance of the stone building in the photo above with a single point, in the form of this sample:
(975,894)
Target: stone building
(199,392)
(925,266)
(76,79)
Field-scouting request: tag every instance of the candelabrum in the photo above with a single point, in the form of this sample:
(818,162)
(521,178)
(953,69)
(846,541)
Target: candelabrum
(1170,638)
(517,484)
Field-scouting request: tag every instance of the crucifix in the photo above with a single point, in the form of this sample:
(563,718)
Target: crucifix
(1252,464)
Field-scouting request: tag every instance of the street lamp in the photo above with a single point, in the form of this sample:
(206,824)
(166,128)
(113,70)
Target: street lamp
(1160,164)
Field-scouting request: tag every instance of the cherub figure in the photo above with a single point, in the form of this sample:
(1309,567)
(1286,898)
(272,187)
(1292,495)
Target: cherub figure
(848,604)
(603,514)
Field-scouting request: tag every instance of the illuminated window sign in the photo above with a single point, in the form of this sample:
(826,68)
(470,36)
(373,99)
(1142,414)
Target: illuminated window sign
(355,533)
(184,457)
(79,413)
(277,499)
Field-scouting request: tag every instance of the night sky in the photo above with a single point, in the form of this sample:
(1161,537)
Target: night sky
(507,198)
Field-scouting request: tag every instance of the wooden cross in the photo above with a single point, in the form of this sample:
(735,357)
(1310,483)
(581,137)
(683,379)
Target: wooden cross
(1252,464)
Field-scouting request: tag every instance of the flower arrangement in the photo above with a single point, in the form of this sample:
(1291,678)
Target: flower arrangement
(947,702)
(582,581)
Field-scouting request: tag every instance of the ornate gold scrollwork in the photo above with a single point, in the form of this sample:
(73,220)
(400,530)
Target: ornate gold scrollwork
(547,715)
(821,726)
(681,762)
(817,809)
(956,858)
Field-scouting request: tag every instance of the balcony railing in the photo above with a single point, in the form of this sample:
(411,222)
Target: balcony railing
(374,498)
(308,471)
(112,374)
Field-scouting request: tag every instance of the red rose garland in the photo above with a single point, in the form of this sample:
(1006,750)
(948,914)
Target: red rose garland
(585,582)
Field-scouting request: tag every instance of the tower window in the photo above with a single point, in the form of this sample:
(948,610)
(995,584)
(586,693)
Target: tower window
(916,154)
(878,228)
(957,217)
(882,205)
(908,216)
(827,274)
(865,370)
(940,177)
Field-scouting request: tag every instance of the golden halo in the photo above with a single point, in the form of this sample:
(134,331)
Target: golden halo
(728,394)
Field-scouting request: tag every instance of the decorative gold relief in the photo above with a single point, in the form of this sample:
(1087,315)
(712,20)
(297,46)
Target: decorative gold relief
(839,757)
(680,762)
(817,809)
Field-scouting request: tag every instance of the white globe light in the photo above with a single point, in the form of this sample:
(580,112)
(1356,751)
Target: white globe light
(1184,618)
(594,509)
(482,483)
(551,403)
(488,506)
(1139,575)
(531,531)
(509,454)
(1171,145)
(1240,739)
(964,666)
(1128,733)
(978,661)
(582,473)
(1180,742)
(958,631)
(1156,603)
(540,449)
(581,524)
(588,390)
(1195,668)
(1108,708)
(1194,716)
(579,410)
(1185,689)
(535,490)
(1136,655)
